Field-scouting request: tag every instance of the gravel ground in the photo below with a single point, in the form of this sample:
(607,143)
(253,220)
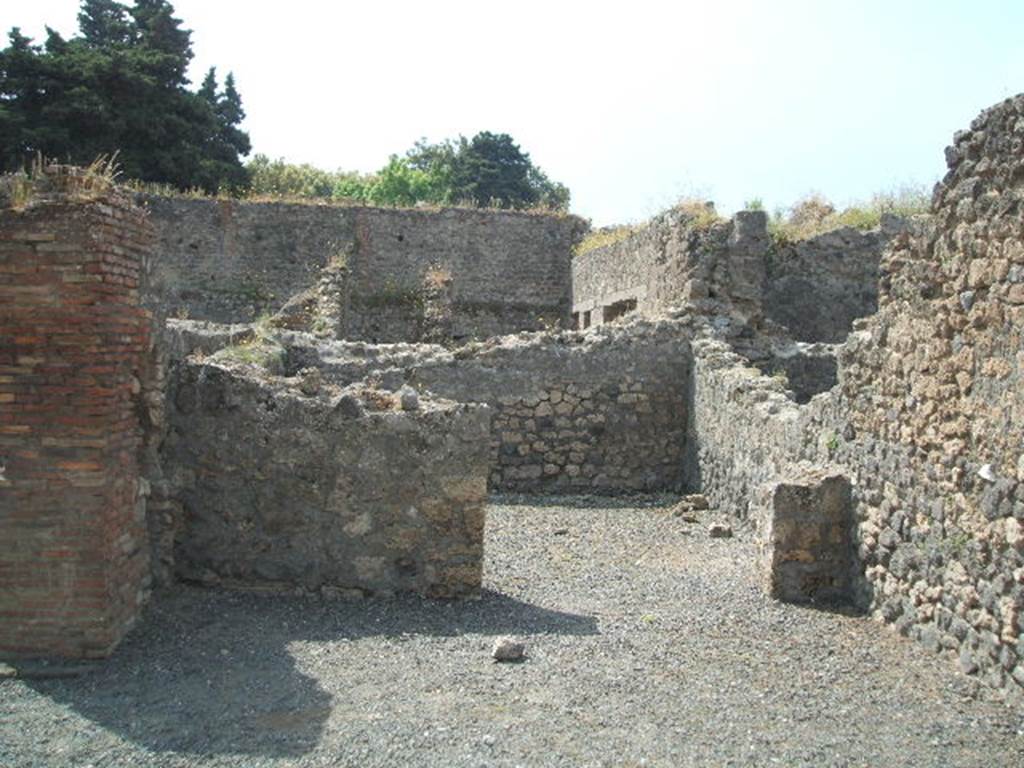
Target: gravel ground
(648,644)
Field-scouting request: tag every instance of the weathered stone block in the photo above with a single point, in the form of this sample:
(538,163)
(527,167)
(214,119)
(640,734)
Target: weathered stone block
(805,539)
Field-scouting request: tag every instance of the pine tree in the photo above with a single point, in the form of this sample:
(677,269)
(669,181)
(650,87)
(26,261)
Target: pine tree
(104,23)
(492,169)
(168,46)
(120,86)
(208,89)
(231,111)
(489,169)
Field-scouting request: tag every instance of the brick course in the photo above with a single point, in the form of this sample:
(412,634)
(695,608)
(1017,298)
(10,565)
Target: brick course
(74,561)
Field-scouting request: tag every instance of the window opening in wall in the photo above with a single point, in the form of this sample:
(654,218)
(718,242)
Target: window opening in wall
(586,319)
(575,319)
(614,311)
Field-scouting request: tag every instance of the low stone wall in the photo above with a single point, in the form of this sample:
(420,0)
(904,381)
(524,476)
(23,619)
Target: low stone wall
(230,261)
(73,348)
(287,483)
(741,430)
(603,410)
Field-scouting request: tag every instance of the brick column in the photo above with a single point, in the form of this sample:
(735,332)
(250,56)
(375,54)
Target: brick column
(74,560)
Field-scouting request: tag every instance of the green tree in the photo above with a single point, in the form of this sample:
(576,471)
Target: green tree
(120,86)
(277,178)
(398,183)
(224,142)
(104,23)
(489,169)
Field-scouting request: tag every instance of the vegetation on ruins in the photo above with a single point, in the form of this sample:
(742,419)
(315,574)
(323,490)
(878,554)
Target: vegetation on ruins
(599,238)
(700,215)
(815,215)
(41,179)
(489,170)
(811,216)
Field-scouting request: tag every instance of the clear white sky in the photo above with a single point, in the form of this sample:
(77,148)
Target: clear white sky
(631,104)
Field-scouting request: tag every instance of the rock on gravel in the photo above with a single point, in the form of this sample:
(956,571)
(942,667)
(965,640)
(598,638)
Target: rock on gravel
(720,531)
(508,649)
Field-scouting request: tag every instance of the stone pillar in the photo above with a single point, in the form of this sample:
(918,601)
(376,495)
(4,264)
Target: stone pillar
(332,297)
(438,307)
(805,545)
(749,244)
(74,560)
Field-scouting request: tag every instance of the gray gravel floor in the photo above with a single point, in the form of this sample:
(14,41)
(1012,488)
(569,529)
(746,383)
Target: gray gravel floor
(648,644)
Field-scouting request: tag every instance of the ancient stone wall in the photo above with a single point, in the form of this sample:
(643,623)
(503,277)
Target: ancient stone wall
(603,410)
(741,429)
(74,346)
(814,287)
(680,257)
(925,418)
(936,399)
(231,261)
(288,483)
(817,287)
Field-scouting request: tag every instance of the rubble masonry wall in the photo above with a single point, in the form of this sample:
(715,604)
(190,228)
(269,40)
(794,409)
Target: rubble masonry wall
(285,486)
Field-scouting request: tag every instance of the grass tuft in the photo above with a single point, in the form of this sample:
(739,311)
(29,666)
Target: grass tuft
(815,215)
(44,179)
(605,236)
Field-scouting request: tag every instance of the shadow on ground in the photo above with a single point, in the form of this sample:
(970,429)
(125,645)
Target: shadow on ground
(209,672)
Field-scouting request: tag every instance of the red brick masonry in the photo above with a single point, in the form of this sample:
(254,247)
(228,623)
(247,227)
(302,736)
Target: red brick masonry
(74,566)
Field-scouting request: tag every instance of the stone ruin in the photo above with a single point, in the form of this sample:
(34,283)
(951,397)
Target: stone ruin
(313,398)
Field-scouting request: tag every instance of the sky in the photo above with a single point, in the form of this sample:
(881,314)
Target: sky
(633,106)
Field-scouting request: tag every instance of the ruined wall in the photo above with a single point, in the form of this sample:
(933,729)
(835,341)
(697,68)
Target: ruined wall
(680,257)
(818,286)
(73,346)
(231,261)
(737,427)
(286,483)
(926,418)
(603,410)
(936,389)
(814,287)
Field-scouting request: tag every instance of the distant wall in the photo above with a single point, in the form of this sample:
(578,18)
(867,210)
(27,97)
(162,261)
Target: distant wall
(677,259)
(231,261)
(815,287)
(73,347)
